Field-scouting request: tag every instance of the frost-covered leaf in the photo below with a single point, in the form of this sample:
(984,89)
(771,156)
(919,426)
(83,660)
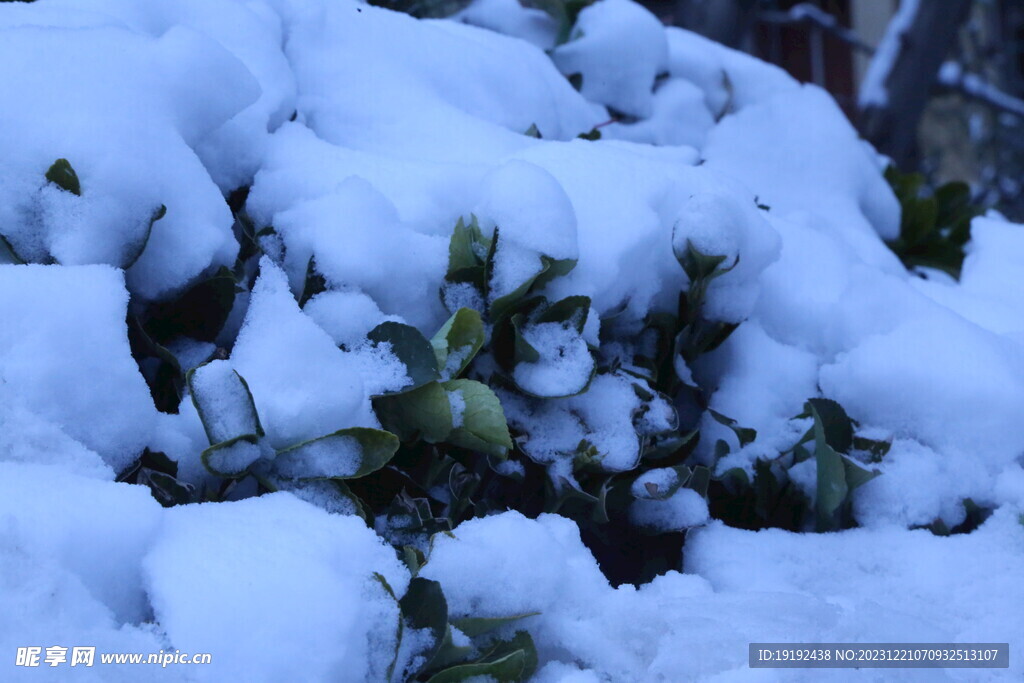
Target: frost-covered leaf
(548,269)
(421,413)
(63,176)
(512,660)
(331,495)
(482,426)
(424,607)
(411,348)
(572,310)
(467,251)
(345,454)
(457,342)
(232,458)
(564,365)
(224,402)
(699,266)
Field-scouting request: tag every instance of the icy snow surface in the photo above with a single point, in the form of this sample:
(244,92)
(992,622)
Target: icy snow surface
(366,134)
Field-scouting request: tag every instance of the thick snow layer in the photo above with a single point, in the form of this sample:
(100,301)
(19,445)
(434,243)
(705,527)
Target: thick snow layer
(730,80)
(510,18)
(879,585)
(532,213)
(124,109)
(400,128)
(265,583)
(471,90)
(64,356)
(303,385)
(357,240)
(618,47)
(798,153)
(97,531)
(253,33)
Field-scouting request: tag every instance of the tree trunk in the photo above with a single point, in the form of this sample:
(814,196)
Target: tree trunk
(724,21)
(889,121)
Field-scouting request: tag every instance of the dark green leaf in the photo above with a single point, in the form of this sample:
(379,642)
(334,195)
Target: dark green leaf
(199,313)
(421,413)
(457,342)
(483,427)
(345,454)
(63,176)
(837,426)
(411,348)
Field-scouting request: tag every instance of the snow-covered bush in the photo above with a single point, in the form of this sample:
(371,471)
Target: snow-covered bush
(426,329)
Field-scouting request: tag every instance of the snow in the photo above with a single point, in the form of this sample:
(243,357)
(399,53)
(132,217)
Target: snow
(223,401)
(402,127)
(565,365)
(303,385)
(64,336)
(533,217)
(799,139)
(618,47)
(718,220)
(510,18)
(683,509)
(124,115)
(221,578)
(603,416)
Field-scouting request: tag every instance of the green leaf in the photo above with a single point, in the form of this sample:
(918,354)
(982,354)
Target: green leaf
(63,176)
(424,607)
(8,253)
(226,408)
(345,454)
(698,265)
(700,480)
(231,459)
(167,490)
(745,434)
(313,284)
(837,426)
(832,488)
(476,626)
(573,310)
(483,427)
(400,626)
(421,413)
(457,342)
(467,252)
(411,348)
(513,660)
(141,246)
(199,313)
(548,268)
(857,475)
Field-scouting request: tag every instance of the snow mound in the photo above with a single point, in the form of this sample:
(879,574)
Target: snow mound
(64,357)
